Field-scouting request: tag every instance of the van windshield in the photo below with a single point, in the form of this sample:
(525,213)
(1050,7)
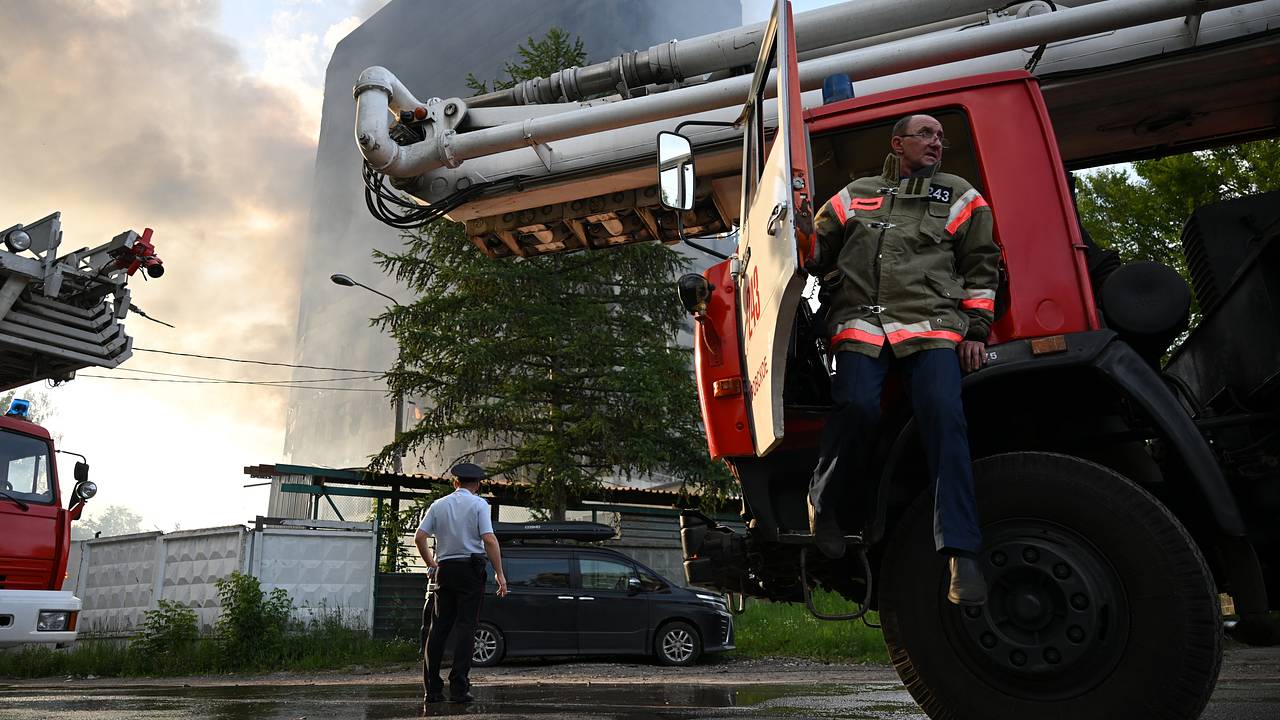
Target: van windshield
(24,468)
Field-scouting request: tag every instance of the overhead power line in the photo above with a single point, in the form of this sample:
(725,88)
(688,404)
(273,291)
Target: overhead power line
(231,382)
(252,362)
(264,382)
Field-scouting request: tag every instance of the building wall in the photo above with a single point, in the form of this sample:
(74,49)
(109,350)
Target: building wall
(431,46)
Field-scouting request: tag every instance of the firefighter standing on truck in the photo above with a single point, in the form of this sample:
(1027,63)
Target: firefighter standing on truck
(908,262)
(463,531)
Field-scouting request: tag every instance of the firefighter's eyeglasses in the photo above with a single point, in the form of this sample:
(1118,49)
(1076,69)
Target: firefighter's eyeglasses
(928,136)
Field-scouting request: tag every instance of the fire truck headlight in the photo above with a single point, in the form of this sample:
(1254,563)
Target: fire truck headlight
(17,240)
(54,621)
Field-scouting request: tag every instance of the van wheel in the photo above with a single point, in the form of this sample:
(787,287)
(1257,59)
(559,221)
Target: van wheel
(1099,603)
(489,646)
(678,644)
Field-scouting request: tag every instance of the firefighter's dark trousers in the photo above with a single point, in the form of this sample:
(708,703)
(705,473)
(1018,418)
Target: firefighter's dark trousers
(932,379)
(456,607)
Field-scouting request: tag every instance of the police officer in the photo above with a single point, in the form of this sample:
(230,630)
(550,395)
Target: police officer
(909,264)
(463,531)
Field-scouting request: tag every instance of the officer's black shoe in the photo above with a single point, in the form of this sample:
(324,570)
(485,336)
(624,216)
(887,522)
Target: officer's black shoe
(465,697)
(968,587)
(827,534)
(433,697)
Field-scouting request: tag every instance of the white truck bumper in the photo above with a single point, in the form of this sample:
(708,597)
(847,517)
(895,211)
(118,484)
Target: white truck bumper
(24,612)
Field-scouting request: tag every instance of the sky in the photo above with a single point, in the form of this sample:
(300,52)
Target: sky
(199,119)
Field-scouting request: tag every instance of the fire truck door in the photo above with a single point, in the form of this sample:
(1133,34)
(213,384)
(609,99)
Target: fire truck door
(777,233)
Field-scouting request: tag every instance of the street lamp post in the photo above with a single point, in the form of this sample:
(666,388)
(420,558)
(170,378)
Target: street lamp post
(397,464)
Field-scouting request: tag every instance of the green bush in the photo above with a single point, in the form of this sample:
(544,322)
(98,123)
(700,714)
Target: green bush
(251,629)
(168,633)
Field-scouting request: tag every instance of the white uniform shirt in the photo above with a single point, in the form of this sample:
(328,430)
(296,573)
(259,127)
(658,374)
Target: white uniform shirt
(457,521)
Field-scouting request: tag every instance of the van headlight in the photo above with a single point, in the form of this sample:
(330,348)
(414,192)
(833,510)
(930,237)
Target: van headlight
(713,600)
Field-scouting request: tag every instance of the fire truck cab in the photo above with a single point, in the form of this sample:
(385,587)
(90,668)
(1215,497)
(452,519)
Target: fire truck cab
(1100,498)
(1118,491)
(36,515)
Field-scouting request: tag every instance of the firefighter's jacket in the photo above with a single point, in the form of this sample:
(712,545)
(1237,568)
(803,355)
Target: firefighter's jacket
(909,260)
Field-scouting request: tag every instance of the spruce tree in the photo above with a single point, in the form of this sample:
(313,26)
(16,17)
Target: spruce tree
(561,370)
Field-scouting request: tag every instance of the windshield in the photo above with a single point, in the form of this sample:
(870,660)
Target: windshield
(24,468)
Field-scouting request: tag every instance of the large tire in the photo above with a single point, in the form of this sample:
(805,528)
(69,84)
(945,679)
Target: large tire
(490,646)
(1100,605)
(677,643)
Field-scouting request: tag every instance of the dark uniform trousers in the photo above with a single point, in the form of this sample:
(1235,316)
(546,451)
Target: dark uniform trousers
(849,436)
(456,607)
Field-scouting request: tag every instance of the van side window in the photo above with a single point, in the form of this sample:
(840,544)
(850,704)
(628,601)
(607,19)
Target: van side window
(651,583)
(535,572)
(601,574)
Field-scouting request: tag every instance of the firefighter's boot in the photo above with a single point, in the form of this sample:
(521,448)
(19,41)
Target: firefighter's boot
(968,587)
(827,534)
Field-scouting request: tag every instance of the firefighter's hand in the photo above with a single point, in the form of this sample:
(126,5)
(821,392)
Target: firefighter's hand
(973,355)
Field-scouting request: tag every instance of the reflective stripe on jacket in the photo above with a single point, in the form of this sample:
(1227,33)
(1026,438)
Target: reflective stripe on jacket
(912,260)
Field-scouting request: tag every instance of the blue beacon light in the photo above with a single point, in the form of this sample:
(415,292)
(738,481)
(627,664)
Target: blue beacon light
(836,88)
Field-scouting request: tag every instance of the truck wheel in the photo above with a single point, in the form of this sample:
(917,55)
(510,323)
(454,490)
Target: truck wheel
(678,644)
(1099,603)
(489,646)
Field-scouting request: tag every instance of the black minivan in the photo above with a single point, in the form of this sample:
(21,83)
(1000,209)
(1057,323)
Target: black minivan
(591,600)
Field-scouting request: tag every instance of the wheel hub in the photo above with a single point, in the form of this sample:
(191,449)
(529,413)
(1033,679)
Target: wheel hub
(677,645)
(485,646)
(1029,609)
(1054,606)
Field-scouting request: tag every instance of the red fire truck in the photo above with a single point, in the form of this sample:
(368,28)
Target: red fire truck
(1119,491)
(58,314)
(36,514)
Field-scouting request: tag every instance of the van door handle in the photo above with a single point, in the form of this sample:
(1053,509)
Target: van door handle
(586,597)
(564,597)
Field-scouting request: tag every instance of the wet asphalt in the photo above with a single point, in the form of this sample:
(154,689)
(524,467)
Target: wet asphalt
(1243,699)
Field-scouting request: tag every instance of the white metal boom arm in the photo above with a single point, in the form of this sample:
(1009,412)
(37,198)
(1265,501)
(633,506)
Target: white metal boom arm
(464,146)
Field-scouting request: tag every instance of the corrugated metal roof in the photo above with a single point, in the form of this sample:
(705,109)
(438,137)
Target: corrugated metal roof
(506,491)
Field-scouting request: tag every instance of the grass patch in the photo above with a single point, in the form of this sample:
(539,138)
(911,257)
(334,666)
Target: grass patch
(255,632)
(788,630)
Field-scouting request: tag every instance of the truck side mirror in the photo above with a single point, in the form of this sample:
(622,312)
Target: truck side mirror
(675,171)
(81,472)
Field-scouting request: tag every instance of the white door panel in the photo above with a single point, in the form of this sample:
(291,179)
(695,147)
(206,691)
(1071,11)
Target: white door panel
(772,287)
(771,283)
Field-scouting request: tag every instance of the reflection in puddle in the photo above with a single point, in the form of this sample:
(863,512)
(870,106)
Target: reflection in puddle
(382,702)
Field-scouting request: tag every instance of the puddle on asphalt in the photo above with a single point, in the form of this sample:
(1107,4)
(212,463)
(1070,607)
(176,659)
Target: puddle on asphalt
(382,702)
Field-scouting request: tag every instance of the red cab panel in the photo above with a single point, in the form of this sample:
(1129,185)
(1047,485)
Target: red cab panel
(33,542)
(717,357)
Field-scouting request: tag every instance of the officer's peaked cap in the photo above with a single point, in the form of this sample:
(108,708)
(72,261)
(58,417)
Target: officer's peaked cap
(468,471)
